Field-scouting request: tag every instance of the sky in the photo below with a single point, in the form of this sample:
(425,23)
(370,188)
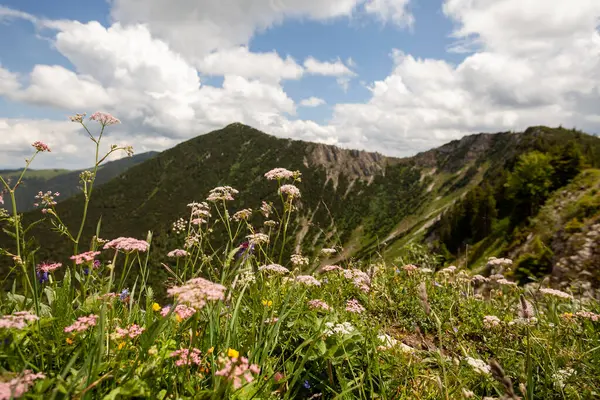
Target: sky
(393,76)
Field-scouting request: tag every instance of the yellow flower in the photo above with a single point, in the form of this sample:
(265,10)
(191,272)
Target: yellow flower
(233,353)
(178,318)
(267,303)
(210,350)
(156,307)
(69,340)
(121,345)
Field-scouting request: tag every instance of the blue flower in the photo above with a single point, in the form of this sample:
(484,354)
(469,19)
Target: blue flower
(86,271)
(42,276)
(124,294)
(306,384)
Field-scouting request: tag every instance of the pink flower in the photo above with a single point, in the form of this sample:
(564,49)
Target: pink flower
(132,332)
(17,387)
(127,245)
(177,253)
(234,370)
(491,321)
(17,320)
(48,267)
(354,306)
(410,268)
(318,305)
(359,278)
(308,280)
(181,310)
(279,173)
(82,323)
(88,256)
(291,190)
(41,146)
(274,268)
(197,292)
(329,268)
(104,119)
(187,357)
(1,199)
(222,193)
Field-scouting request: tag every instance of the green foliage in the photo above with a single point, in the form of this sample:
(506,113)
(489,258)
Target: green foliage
(535,264)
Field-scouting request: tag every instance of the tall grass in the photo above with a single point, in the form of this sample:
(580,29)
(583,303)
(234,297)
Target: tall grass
(243,322)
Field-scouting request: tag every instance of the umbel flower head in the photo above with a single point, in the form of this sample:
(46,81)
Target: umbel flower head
(41,146)
(197,292)
(104,119)
(127,245)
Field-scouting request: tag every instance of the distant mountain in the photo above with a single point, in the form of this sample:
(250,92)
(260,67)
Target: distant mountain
(368,203)
(66,182)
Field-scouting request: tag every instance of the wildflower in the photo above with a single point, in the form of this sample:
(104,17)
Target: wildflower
(499,262)
(306,384)
(96,264)
(155,307)
(279,173)
(41,146)
(266,209)
(556,293)
(354,306)
(246,278)
(177,253)
(132,332)
(17,320)
(198,221)
(234,369)
(588,315)
(69,341)
(124,295)
(210,351)
(19,385)
(242,215)
(496,277)
(298,260)
(181,311)
(479,279)
(328,251)
(344,328)
(48,267)
(467,393)
(505,282)
(359,279)
(410,268)
(258,238)
(267,303)
(274,268)
(291,191)
(270,223)
(47,200)
(318,305)
(491,321)
(42,276)
(196,292)
(104,119)
(86,257)
(222,193)
(121,345)
(77,118)
(82,324)
(308,280)
(561,376)
(271,321)
(448,270)
(127,245)
(478,365)
(329,268)
(187,357)
(425,270)
(179,226)
(233,353)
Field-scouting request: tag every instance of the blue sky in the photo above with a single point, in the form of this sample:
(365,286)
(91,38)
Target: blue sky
(148,62)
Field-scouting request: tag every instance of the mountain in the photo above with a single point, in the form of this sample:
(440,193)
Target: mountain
(65,182)
(453,198)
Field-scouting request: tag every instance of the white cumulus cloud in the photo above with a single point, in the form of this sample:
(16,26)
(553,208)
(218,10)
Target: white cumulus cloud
(312,102)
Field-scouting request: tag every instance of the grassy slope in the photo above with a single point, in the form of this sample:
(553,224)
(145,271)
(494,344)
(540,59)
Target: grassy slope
(398,206)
